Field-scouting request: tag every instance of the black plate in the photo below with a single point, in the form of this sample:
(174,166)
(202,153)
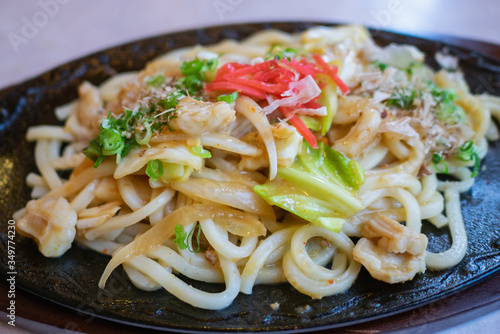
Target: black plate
(72,279)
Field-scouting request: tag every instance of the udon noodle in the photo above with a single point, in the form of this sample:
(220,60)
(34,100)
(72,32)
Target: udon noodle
(174,174)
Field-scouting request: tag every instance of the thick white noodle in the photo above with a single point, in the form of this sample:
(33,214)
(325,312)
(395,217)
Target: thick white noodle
(251,110)
(312,282)
(110,88)
(409,202)
(33,180)
(218,239)
(64,111)
(140,280)
(271,274)
(216,140)
(261,255)
(39,191)
(48,132)
(400,180)
(301,256)
(101,246)
(373,157)
(410,166)
(439,220)
(43,157)
(122,221)
(465,183)
(230,144)
(169,257)
(432,208)
(455,254)
(85,196)
(429,187)
(127,189)
(68,162)
(187,293)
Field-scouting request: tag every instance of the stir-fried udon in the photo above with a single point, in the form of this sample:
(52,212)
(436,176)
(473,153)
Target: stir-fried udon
(285,157)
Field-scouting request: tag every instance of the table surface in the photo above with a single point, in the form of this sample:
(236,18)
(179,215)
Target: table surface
(38,35)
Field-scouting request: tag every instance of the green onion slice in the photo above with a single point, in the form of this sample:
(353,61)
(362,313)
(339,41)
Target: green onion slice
(200,151)
(156,81)
(436,159)
(154,169)
(228,98)
(111,142)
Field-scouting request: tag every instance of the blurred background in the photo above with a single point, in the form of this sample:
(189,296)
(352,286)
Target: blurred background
(36,35)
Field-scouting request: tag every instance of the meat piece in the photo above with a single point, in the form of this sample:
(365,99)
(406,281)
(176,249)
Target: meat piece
(288,143)
(128,97)
(135,90)
(211,256)
(394,237)
(51,222)
(391,252)
(84,124)
(196,117)
(361,135)
(89,108)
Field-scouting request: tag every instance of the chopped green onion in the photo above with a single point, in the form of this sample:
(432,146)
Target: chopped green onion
(447,110)
(171,100)
(182,238)
(381,66)
(442,94)
(192,67)
(194,74)
(154,169)
(94,152)
(228,98)
(212,64)
(412,68)
(111,142)
(450,113)
(191,84)
(143,139)
(200,151)
(436,159)
(132,128)
(278,53)
(402,98)
(156,81)
(468,152)
(476,167)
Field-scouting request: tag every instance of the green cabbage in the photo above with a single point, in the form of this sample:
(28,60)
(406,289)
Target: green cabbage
(321,187)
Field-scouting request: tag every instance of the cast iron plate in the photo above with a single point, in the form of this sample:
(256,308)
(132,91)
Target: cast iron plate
(72,279)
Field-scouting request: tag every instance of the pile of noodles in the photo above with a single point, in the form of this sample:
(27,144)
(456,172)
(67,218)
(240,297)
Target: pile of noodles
(116,209)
